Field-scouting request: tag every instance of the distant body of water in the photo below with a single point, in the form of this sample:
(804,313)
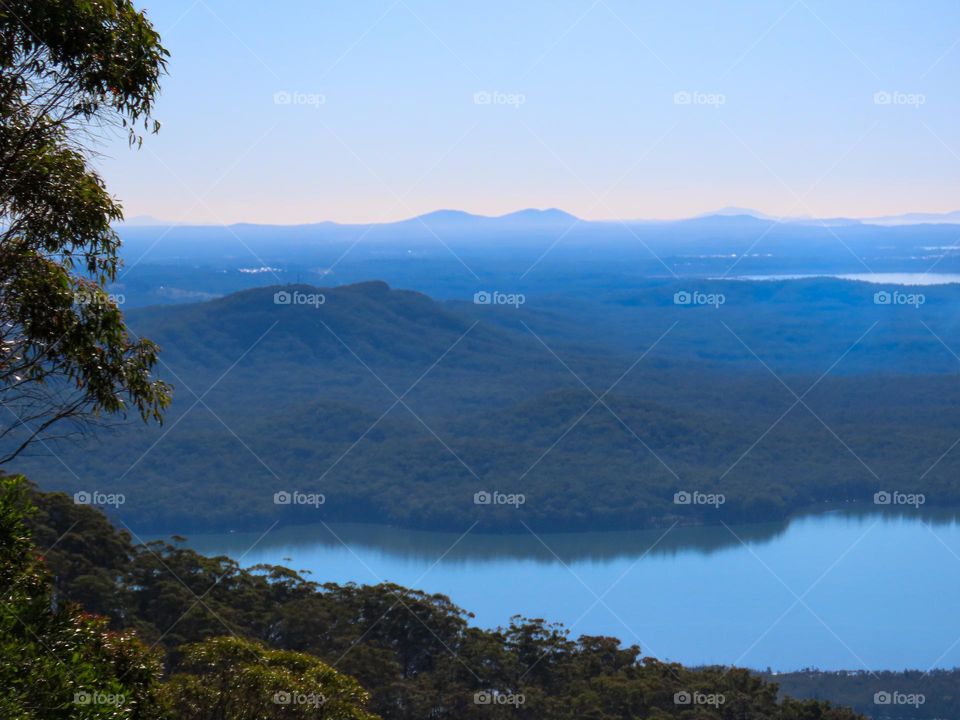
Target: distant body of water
(839,590)
(876,278)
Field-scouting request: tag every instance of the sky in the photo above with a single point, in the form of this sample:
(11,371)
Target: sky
(358,111)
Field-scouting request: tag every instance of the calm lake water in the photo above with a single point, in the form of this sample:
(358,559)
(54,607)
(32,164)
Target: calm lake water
(838,590)
(927,278)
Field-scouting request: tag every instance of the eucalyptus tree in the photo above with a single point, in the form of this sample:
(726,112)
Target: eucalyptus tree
(71,71)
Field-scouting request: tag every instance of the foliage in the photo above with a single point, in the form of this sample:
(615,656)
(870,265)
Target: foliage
(228,678)
(415,653)
(55,660)
(929,694)
(67,71)
(519,421)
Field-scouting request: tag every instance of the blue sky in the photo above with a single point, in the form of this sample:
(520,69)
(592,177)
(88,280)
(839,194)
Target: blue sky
(303,111)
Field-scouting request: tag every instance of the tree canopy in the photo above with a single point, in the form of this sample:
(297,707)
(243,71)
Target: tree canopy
(56,661)
(265,642)
(69,71)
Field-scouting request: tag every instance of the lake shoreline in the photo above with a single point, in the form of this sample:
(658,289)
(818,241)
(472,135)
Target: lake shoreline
(944,513)
(833,589)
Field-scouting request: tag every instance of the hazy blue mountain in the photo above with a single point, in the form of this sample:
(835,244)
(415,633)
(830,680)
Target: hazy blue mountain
(732,210)
(730,230)
(949,218)
(145,221)
(452,255)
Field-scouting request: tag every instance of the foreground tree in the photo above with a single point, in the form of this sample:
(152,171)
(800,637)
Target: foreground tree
(416,653)
(56,661)
(228,678)
(68,70)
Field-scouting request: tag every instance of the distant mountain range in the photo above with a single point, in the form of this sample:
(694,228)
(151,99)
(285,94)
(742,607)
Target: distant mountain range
(447,220)
(916,219)
(451,254)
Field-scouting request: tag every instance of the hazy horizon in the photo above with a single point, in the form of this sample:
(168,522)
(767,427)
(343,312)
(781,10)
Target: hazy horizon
(387,110)
(730,210)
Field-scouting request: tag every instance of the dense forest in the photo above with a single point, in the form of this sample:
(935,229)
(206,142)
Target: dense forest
(109,629)
(399,409)
(920,695)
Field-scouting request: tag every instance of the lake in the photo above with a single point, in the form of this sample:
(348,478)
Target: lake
(836,590)
(876,278)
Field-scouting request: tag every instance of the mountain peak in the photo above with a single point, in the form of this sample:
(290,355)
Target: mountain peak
(734,211)
(546,214)
(447,215)
(916,218)
(145,221)
(526,215)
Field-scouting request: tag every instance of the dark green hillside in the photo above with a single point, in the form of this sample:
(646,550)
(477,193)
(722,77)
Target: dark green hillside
(935,693)
(796,326)
(305,398)
(343,347)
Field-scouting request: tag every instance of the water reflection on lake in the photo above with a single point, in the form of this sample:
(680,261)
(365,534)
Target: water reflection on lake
(840,589)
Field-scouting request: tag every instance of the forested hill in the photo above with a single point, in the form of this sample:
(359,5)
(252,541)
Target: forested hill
(396,408)
(886,695)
